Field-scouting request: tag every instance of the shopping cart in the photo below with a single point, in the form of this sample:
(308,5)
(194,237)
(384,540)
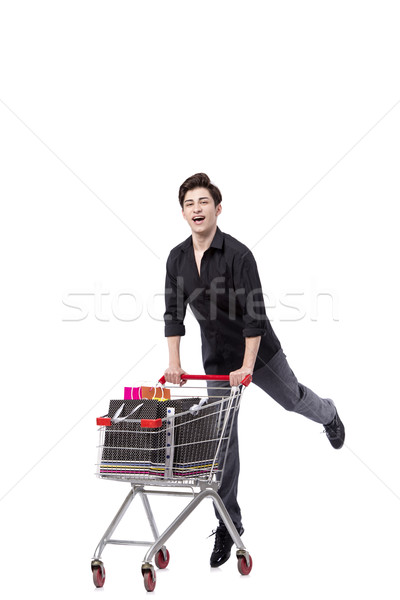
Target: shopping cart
(173,437)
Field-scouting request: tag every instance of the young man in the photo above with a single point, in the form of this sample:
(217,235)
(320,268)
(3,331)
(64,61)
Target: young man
(217,276)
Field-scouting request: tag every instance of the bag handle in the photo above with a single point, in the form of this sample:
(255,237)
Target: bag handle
(117,419)
(139,393)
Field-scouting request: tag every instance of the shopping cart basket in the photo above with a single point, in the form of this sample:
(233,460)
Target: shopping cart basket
(177,440)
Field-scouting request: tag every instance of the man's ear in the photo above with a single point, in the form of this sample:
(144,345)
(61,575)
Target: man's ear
(183,214)
(219,209)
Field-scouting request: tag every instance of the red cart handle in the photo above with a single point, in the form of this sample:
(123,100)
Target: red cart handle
(246,381)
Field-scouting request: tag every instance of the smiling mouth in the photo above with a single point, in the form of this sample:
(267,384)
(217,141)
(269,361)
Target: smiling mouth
(198,219)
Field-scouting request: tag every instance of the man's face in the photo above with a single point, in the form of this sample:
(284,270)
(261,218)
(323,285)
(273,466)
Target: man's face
(200,211)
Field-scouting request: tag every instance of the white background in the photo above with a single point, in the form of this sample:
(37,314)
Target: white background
(105,108)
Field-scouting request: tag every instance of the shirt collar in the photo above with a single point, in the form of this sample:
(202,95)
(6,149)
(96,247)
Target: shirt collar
(217,242)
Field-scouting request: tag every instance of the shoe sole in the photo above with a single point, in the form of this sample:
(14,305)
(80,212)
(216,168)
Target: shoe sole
(222,562)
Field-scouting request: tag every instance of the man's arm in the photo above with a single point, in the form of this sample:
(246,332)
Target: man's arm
(175,309)
(249,360)
(174,371)
(247,280)
(175,302)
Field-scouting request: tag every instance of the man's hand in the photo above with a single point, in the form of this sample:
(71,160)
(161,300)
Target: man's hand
(173,375)
(236,377)
(249,360)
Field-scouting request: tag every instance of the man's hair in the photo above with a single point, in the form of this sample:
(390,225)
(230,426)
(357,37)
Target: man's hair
(196,181)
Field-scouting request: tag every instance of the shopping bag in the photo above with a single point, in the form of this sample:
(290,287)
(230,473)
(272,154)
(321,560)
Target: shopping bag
(134,440)
(148,438)
(145,392)
(196,438)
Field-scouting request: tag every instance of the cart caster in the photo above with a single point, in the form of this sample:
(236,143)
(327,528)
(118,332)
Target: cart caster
(149,580)
(243,567)
(161,562)
(99,574)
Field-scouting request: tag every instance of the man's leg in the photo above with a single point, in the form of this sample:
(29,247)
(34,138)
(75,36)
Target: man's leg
(228,460)
(277,379)
(230,480)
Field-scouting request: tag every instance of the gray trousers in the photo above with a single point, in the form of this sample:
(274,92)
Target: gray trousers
(277,379)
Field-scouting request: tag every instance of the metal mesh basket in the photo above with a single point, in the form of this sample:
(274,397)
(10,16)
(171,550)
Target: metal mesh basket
(172,439)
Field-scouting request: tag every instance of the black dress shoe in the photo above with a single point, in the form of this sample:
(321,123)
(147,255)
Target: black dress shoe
(335,432)
(222,546)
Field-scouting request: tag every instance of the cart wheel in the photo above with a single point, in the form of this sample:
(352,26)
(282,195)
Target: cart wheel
(244,568)
(149,581)
(161,562)
(99,576)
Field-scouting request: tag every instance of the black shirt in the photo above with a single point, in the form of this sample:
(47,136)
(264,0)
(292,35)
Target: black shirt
(226,299)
